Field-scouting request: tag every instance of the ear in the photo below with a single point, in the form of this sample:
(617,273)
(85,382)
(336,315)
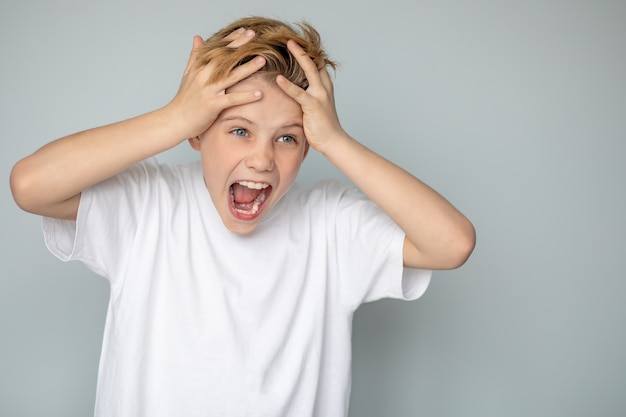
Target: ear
(195,143)
(306,149)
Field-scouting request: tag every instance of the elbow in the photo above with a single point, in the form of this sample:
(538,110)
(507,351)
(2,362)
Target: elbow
(34,192)
(463,246)
(449,250)
(22,184)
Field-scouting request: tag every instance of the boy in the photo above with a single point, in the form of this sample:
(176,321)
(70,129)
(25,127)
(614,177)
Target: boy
(232,289)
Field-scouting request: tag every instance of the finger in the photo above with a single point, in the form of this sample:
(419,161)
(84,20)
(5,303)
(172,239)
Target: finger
(326,81)
(292,90)
(235,34)
(197,43)
(243,38)
(308,66)
(241,72)
(234,76)
(236,99)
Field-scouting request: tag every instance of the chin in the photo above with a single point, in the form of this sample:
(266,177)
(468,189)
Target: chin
(241,227)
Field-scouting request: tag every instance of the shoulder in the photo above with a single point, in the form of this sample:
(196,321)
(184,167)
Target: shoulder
(327,199)
(324,192)
(151,168)
(149,174)
(145,187)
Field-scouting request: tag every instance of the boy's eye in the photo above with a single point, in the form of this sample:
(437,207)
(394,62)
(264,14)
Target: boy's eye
(239,132)
(287,139)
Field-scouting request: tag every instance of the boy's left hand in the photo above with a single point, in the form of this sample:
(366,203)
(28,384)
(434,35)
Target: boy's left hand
(438,236)
(320,120)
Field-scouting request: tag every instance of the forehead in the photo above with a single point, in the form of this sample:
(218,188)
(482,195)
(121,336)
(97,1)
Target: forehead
(274,108)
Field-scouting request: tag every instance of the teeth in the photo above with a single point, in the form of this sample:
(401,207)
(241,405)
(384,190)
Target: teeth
(253,210)
(257,201)
(253,185)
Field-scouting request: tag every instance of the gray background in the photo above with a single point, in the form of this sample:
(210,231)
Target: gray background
(515,111)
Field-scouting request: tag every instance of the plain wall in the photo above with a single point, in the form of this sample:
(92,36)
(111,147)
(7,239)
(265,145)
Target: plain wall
(515,111)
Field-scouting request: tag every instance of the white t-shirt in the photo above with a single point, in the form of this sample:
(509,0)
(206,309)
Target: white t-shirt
(205,322)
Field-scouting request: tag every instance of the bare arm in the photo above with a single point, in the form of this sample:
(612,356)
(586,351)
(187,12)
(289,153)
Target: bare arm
(49,181)
(438,236)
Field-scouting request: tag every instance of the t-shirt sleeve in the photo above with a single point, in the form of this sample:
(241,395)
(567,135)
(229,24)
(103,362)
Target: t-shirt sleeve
(108,216)
(369,251)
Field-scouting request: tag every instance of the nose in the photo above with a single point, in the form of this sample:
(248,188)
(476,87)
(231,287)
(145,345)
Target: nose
(261,156)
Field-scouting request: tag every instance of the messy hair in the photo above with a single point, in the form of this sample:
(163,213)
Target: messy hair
(270,42)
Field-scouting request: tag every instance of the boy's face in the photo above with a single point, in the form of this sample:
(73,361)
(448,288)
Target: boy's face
(251,155)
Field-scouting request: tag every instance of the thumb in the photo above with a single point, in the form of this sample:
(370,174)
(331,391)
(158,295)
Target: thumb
(197,43)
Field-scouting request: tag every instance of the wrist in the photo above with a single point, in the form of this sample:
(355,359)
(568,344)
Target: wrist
(335,145)
(341,148)
(173,124)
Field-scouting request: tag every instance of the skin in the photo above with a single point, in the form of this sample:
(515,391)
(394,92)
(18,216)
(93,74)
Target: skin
(261,142)
(49,181)
(438,236)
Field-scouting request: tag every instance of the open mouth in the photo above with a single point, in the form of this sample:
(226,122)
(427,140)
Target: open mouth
(247,198)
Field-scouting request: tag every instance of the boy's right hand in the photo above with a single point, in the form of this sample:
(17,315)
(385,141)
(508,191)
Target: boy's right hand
(197,103)
(49,182)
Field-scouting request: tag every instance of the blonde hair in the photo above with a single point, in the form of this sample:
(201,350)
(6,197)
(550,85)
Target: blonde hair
(270,42)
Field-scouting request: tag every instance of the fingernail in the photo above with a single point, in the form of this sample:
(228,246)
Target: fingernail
(249,33)
(259,60)
(240,30)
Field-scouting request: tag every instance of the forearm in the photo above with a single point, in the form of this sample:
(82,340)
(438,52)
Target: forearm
(439,236)
(62,169)
(49,182)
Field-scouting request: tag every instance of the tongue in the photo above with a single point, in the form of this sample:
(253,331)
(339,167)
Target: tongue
(244,194)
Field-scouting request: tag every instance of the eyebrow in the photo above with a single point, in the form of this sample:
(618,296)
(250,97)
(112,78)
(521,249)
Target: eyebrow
(243,119)
(233,118)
